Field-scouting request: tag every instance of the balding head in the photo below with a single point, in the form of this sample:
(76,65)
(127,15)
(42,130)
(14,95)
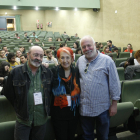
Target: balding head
(35,56)
(87,37)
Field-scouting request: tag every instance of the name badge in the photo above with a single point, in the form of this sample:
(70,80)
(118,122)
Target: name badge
(69,100)
(38,98)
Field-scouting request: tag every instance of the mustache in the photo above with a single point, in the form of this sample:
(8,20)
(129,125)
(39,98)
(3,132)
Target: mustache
(36,60)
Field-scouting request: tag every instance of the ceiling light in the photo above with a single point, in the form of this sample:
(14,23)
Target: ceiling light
(36,8)
(75,9)
(15,7)
(56,9)
(5,13)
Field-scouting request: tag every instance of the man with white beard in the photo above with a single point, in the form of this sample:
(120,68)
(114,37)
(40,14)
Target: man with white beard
(28,89)
(99,84)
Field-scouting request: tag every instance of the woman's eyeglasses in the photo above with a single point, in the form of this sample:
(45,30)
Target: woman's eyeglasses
(86,68)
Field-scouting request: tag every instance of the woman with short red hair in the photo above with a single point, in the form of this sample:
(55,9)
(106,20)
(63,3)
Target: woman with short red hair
(65,96)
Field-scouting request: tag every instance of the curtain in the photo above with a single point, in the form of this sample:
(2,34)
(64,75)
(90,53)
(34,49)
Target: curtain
(18,25)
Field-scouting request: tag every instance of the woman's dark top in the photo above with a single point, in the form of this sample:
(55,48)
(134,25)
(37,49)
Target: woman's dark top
(65,113)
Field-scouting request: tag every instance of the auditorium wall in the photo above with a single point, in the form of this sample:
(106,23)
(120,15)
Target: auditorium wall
(122,27)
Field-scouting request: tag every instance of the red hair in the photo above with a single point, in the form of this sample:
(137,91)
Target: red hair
(66,50)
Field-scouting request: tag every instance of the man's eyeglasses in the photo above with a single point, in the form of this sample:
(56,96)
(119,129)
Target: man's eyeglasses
(38,55)
(86,68)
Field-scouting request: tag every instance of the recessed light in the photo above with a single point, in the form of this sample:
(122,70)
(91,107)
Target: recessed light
(75,9)
(36,8)
(57,9)
(15,7)
(5,13)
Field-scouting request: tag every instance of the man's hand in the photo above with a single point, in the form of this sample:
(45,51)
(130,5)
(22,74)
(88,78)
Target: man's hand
(45,64)
(113,108)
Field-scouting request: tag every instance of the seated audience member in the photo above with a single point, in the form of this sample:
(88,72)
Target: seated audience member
(11,59)
(61,45)
(33,35)
(6,50)
(16,35)
(30,41)
(49,39)
(106,50)
(78,51)
(68,39)
(4,69)
(50,58)
(25,35)
(137,57)
(2,54)
(53,49)
(99,45)
(129,49)
(75,45)
(115,49)
(23,58)
(18,54)
(76,35)
(65,33)
(111,55)
(0,40)
(22,49)
(58,39)
(37,40)
(129,61)
(109,44)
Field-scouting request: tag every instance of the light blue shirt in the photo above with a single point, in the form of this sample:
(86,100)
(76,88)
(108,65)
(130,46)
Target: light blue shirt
(99,85)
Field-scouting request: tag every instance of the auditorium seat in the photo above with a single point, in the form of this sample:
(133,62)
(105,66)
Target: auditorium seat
(124,111)
(114,55)
(120,71)
(133,53)
(119,60)
(124,55)
(131,93)
(77,56)
(7,112)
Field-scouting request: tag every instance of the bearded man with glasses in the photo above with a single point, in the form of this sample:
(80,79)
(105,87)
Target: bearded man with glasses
(28,89)
(99,84)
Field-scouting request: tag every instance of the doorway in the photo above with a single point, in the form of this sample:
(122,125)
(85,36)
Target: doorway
(10,24)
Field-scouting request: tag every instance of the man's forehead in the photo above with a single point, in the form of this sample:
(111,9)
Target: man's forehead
(86,41)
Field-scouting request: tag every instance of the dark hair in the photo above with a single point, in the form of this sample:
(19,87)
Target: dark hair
(130,45)
(34,32)
(98,45)
(111,55)
(3,47)
(25,55)
(4,73)
(61,45)
(109,41)
(130,62)
(115,48)
(25,32)
(16,34)
(52,47)
(9,56)
(28,40)
(78,49)
(68,39)
(77,44)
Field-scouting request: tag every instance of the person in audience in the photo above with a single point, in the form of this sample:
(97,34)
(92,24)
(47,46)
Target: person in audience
(22,49)
(75,45)
(109,43)
(6,50)
(58,39)
(137,57)
(33,35)
(61,45)
(53,49)
(37,40)
(99,96)
(11,58)
(49,39)
(116,50)
(111,55)
(78,51)
(28,89)
(23,58)
(65,33)
(30,41)
(68,39)
(2,54)
(99,45)
(16,35)
(129,48)
(65,96)
(25,35)
(18,54)
(50,58)
(0,40)
(129,61)
(76,35)
(106,50)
